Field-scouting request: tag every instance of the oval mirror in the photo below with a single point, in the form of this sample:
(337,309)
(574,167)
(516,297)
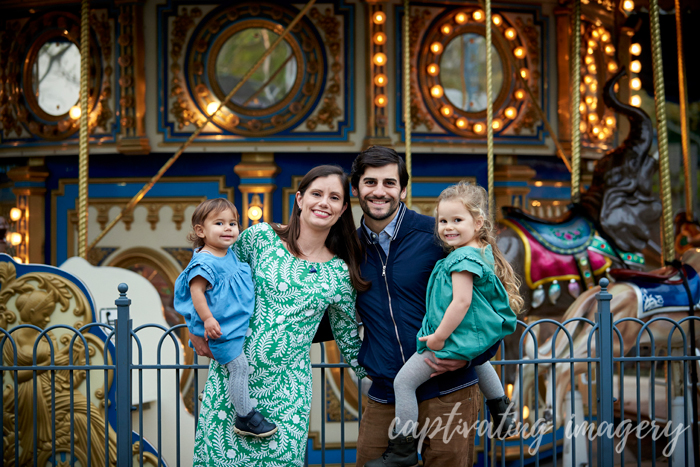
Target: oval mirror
(270,83)
(463,72)
(56,76)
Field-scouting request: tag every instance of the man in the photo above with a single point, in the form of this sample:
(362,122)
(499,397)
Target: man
(401,252)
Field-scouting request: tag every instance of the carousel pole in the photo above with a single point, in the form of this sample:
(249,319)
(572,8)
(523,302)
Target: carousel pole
(667,244)
(146,188)
(683,98)
(489,110)
(575,104)
(667,249)
(407,98)
(84,130)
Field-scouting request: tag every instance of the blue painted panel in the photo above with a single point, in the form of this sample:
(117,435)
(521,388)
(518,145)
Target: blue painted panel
(549,192)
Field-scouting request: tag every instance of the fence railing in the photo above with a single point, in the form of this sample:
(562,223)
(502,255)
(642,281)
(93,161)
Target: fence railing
(598,389)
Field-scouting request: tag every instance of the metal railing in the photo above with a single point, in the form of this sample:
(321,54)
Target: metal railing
(606,360)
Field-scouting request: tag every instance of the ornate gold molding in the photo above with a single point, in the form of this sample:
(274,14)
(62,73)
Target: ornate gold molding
(180,106)
(21,41)
(133,139)
(178,209)
(40,298)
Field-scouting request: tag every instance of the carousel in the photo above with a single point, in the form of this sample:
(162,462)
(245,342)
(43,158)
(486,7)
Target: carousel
(118,117)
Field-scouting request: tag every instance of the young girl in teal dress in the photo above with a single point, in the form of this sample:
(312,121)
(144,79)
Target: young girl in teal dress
(472,301)
(215,295)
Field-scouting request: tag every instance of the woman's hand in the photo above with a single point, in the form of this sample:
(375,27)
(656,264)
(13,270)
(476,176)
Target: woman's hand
(433,342)
(212,330)
(201,346)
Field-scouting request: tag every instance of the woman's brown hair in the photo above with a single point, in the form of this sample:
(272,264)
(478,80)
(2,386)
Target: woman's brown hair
(342,239)
(201,213)
(475,200)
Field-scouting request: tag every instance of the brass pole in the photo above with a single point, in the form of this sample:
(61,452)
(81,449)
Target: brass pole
(489,109)
(407,98)
(575,104)
(683,98)
(139,196)
(84,130)
(667,248)
(540,113)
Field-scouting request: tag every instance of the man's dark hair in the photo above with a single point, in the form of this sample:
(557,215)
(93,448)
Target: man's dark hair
(377,156)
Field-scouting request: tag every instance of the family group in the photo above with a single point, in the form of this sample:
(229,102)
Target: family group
(434,296)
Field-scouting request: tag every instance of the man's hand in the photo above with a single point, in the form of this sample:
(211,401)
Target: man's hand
(212,330)
(201,346)
(442,366)
(433,342)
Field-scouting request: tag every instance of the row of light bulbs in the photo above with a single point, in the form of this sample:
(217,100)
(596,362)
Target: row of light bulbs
(433,69)
(380,59)
(15,238)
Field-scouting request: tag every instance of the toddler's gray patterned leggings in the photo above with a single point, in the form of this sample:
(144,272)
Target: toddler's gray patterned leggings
(238,385)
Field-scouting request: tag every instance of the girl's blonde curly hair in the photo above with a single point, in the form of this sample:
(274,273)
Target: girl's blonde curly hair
(475,200)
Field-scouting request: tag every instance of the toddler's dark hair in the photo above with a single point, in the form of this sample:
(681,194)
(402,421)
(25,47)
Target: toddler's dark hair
(202,212)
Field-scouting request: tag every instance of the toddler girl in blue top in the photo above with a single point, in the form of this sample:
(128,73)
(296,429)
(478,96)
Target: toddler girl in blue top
(215,294)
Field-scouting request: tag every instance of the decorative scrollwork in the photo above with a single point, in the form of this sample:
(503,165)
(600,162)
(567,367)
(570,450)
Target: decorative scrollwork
(329,111)
(180,107)
(36,297)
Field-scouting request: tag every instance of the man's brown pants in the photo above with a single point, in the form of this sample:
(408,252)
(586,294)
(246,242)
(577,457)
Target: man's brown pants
(459,451)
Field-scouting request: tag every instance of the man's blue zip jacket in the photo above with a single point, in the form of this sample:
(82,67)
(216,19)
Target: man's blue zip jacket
(392,309)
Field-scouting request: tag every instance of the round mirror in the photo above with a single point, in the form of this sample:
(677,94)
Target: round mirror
(463,72)
(56,76)
(270,83)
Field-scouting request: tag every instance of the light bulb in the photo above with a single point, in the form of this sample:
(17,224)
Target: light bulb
(628,5)
(15,214)
(460,18)
(636,66)
(461,123)
(255,213)
(635,49)
(381,100)
(519,94)
(380,80)
(379,17)
(478,15)
(74,112)
(436,91)
(479,128)
(524,73)
(436,48)
(212,108)
(510,112)
(446,110)
(636,101)
(15,238)
(519,52)
(496,124)
(380,38)
(497,20)
(636,84)
(446,29)
(379,59)
(510,34)
(433,69)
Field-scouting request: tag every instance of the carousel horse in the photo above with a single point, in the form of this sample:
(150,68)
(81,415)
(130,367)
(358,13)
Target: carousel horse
(635,294)
(609,228)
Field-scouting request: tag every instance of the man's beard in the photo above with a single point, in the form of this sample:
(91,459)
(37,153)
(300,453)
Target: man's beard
(393,206)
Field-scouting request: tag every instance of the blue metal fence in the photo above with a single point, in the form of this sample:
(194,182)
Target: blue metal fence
(582,355)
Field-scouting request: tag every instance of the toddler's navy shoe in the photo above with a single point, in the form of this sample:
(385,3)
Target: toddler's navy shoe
(254,424)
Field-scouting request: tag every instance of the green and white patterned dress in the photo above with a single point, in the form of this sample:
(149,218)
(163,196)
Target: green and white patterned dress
(290,301)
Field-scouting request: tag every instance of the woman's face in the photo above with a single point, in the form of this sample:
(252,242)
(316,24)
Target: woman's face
(322,203)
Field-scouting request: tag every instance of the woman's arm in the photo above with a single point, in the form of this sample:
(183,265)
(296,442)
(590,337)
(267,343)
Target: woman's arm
(201,346)
(462,285)
(198,287)
(342,317)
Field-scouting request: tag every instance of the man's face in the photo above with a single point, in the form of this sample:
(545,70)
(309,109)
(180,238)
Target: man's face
(379,191)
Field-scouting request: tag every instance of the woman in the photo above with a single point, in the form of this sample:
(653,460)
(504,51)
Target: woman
(299,271)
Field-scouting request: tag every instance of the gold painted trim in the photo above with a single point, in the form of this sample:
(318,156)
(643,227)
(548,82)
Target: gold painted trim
(528,261)
(60,191)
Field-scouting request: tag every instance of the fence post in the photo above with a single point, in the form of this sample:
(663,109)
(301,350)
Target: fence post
(606,416)
(123,377)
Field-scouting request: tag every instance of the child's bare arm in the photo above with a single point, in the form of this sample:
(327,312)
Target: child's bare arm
(462,284)
(198,286)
